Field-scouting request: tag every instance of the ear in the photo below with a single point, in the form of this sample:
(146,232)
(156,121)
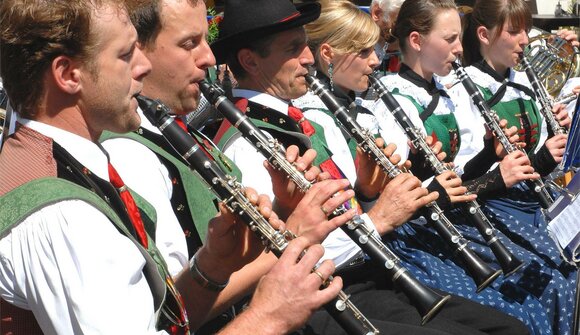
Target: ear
(415,40)
(66,74)
(248,60)
(326,53)
(376,12)
(484,35)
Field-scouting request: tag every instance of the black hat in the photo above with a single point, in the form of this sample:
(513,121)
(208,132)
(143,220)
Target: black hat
(248,20)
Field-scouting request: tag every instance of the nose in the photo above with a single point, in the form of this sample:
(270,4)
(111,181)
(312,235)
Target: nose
(141,65)
(206,58)
(458,48)
(306,57)
(373,60)
(524,38)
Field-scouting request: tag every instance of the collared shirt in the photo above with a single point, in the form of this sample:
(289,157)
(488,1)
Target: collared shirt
(338,246)
(70,265)
(144,173)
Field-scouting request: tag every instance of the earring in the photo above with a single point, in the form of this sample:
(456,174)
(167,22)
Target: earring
(330,70)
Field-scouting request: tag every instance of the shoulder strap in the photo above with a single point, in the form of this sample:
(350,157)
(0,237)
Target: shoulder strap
(18,204)
(196,191)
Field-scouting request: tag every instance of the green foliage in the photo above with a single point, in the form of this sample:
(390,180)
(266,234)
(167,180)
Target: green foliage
(213,25)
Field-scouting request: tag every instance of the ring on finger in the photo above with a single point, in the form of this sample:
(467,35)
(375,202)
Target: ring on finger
(319,275)
(324,210)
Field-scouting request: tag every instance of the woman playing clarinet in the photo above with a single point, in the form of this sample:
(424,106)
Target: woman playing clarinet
(430,44)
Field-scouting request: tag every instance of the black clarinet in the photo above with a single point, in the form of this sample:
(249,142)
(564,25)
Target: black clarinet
(491,119)
(543,97)
(482,273)
(508,262)
(426,301)
(231,192)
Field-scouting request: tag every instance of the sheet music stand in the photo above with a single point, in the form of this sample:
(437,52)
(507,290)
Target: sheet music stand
(573,134)
(562,216)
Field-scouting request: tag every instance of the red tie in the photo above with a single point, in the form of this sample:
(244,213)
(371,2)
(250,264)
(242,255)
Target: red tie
(129,202)
(297,116)
(181,123)
(308,130)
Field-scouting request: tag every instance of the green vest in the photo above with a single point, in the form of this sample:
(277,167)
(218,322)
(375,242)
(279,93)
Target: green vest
(521,113)
(442,128)
(21,202)
(200,200)
(316,141)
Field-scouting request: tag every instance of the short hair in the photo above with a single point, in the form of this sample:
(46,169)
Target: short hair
(261,46)
(492,14)
(33,33)
(342,25)
(388,7)
(419,16)
(146,17)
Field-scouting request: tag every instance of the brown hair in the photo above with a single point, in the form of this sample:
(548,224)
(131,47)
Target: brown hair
(146,17)
(33,33)
(419,16)
(492,14)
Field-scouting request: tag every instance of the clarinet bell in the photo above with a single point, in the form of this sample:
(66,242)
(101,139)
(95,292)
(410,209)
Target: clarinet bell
(481,273)
(508,262)
(427,302)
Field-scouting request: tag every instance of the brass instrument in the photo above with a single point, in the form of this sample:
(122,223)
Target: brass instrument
(554,59)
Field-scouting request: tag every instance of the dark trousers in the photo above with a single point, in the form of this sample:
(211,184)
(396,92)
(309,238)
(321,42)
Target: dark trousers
(390,311)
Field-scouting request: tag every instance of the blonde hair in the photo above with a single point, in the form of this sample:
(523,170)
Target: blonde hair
(342,25)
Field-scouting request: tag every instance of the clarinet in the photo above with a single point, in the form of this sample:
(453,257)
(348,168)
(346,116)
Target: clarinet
(491,119)
(424,299)
(508,262)
(543,98)
(231,192)
(482,274)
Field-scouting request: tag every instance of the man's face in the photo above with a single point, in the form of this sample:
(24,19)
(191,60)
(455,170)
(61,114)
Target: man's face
(281,74)
(180,55)
(114,78)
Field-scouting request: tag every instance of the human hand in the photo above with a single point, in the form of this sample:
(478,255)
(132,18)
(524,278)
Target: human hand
(288,295)
(557,145)
(400,199)
(561,115)
(229,241)
(287,194)
(515,167)
(310,218)
(511,133)
(452,185)
(371,179)
(435,146)
(569,35)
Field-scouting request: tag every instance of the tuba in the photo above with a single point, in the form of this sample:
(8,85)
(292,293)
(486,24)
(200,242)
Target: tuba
(554,60)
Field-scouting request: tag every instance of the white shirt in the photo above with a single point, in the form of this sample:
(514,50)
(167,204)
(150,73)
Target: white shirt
(338,246)
(469,118)
(69,264)
(386,124)
(143,172)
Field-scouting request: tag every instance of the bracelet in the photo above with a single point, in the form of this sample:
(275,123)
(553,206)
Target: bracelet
(202,279)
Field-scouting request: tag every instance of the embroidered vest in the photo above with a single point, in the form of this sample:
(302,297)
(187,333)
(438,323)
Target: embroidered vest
(189,190)
(31,170)
(522,113)
(442,127)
